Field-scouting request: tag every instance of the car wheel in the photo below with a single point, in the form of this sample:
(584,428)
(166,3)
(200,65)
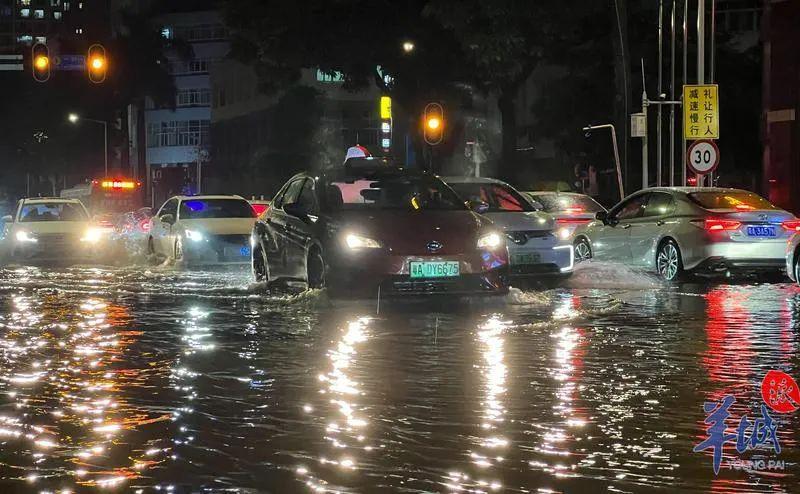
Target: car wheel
(583,252)
(668,261)
(797,269)
(315,270)
(260,265)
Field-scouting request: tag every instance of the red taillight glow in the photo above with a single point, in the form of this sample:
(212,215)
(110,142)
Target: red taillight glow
(144,226)
(572,221)
(791,225)
(574,210)
(716,225)
(260,208)
(744,207)
(118,184)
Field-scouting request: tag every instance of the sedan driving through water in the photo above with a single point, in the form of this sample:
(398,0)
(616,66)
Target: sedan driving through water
(702,230)
(369,227)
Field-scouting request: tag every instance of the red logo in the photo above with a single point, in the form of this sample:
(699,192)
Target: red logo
(780,392)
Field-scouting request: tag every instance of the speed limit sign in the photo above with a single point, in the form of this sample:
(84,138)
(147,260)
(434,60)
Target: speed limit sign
(703,157)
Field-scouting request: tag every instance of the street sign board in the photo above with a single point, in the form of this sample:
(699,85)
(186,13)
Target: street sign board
(700,111)
(703,157)
(638,125)
(70,62)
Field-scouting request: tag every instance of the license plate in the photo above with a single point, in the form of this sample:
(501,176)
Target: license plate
(443,269)
(243,251)
(761,231)
(531,258)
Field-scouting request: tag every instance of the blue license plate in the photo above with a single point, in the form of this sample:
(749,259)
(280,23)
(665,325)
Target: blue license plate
(761,231)
(244,251)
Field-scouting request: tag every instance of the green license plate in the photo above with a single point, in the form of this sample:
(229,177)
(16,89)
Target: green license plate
(444,269)
(532,258)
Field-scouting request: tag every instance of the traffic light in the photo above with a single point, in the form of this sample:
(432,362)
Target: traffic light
(433,124)
(40,62)
(97,63)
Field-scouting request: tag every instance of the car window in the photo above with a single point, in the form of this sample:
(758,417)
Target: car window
(556,203)
(306,199)
(730,199)
(632,208)
(195,209)
(500,198)
(659,204)
(277,201)
(292,192)
(52,211)
(169,207)
(392,191)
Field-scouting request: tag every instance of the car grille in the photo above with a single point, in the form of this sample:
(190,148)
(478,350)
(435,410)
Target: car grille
(56,239)
(522,237)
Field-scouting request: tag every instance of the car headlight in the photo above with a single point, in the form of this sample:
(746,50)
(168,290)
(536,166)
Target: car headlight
(194,235)
(358,242)
(490,241)
(93,235)
(23,236)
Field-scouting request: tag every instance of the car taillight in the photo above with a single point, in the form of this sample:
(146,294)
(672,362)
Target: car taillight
(717,225)
(744,207)
(573,210)
(144,225)
(791,225)
(572,221)
(259,208)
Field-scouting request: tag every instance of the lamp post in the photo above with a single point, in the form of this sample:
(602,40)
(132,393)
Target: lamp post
(74,118)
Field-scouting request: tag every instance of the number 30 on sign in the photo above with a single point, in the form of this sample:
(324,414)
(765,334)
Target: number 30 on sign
(703,157)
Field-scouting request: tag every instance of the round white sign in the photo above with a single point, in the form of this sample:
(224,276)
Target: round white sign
(703,157)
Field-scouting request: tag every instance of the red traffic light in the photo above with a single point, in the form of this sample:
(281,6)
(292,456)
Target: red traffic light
(433,124)
(97,63)
(40,62)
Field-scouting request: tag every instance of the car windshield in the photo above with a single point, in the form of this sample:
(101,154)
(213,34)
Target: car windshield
(557,203)
(195,209)
(52,211)
(392,191)
(499,197)
(732,199)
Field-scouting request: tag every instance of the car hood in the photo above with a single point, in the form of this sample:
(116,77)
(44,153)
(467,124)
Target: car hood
(219,226)
(522,221)
(52,227)
(409,232)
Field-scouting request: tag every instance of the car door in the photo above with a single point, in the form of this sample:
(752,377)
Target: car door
(648,228)
(161,230)
(299,229)
(611,242)
(278,255)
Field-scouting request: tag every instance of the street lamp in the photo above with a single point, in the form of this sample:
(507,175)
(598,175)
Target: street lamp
(74,118)
(408,46)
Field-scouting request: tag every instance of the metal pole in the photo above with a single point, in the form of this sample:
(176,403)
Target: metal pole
(701,55)
(645,181)
(659,125)
(672,97)
(199,172)
(711,69)
(685,81)
(619,167)
(105,146)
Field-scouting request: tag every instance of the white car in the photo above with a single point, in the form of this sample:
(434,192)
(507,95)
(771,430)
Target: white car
(52,229)
(536,246)
(202,230)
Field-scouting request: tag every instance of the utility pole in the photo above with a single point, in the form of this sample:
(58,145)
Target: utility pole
(701,58)
(659,125)
(590,128)
(645,102)
(685,81)
(672,97)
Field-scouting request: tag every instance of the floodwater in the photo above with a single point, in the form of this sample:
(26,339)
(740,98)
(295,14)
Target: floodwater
(158,380)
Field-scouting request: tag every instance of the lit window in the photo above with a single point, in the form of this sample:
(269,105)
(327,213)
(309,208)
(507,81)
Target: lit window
(57,15)
(25,3)
(24,12)
(166,32)
(66,6)
(329,77)
(25,39)
(41,39)
(38,14)
(80,5)
(79,30)
(55,3)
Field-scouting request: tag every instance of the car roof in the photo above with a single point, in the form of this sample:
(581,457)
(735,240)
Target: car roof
(472,180)
(689,190)
(195,198)
(555,193)
(49,200)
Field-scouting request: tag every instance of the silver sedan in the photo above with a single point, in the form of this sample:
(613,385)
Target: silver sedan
(679,229)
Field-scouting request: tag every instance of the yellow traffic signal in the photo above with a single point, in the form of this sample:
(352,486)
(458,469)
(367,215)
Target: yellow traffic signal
(433,124)
(97,63)
(40,58)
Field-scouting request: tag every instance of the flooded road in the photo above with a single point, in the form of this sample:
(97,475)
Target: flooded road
(137,380)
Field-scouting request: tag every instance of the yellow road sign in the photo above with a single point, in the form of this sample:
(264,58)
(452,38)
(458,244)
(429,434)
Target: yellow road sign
(700,111)
(386,107)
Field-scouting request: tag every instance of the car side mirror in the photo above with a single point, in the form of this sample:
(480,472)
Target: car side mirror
(602,216)
(297,210)
(168,219)
(7,218)
(479,207)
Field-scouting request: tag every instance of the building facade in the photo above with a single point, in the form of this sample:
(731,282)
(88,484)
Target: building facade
(781,100)
(178,139)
